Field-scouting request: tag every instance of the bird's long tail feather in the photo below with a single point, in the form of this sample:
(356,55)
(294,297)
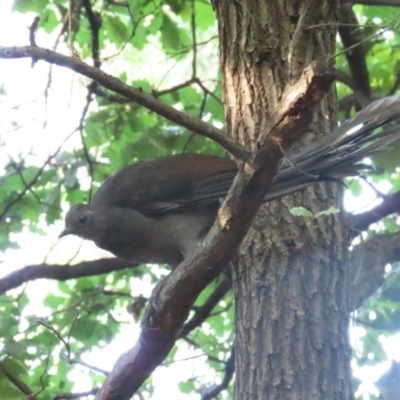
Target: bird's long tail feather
(341,153)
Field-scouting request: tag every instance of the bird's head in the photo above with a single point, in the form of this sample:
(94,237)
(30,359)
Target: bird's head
(80,221)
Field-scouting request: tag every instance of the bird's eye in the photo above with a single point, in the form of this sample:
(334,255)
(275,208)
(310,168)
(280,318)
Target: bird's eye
(82,219)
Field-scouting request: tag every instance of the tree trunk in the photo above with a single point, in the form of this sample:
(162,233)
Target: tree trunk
(290,283)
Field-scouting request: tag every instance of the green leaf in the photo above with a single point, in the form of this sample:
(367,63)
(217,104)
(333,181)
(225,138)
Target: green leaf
(24,6)
(205,16)
(186,387)
(388,160)
(156,23)
(301,212)
(15,366)
(52,206)
(116,29)
(170,33)
(176,5)
(355,187)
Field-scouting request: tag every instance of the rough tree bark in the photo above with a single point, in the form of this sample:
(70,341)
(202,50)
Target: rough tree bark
(291,277)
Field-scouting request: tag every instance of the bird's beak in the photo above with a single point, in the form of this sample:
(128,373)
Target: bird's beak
(65,232)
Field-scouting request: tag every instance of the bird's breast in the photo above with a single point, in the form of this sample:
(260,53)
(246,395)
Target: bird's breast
(165,239)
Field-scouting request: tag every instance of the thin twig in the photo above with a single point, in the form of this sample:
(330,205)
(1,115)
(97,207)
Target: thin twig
(33,30)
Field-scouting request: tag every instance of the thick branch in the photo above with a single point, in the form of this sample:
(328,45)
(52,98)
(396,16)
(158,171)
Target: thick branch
(71,396)
(62,272)
(214,391)
(345,78)
(95,25)
(389,205)
(368,261)
(355,100)
(203,312)
(146,100)
(174,296)
(16,381)
(352,40)
(293,115)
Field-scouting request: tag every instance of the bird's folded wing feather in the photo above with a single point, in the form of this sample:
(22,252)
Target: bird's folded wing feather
(178,182)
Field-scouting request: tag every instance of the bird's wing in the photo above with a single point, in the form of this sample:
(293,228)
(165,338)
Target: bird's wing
(176,182)
(203,192)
